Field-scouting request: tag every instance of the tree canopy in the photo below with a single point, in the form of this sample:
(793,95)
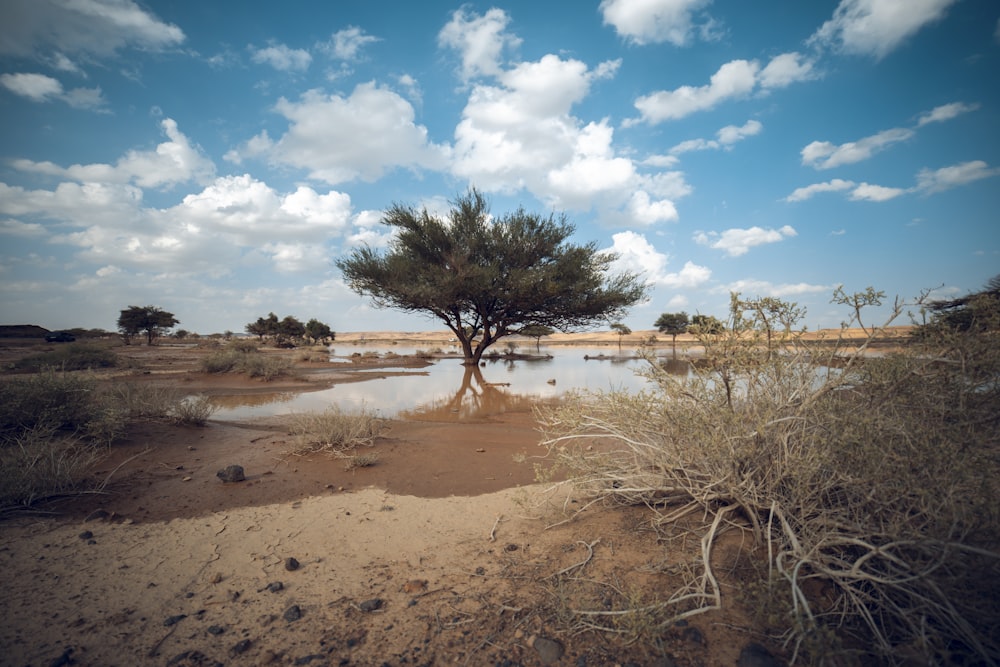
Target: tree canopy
(488,277)
(672,324)
(149,320)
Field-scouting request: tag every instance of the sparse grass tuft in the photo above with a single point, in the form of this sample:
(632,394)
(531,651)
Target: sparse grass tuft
(253,363)
(354,461)
(193,410)
(334,430)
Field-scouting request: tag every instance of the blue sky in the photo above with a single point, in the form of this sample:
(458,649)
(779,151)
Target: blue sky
(215,158)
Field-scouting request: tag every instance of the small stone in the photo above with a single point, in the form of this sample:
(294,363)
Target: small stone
(173,620)
(371,605)
(231,473)
(186,479)
(293,613)
(275,586)
(549,650)
(241,646)
(291,564)
(86,535)
(215,630)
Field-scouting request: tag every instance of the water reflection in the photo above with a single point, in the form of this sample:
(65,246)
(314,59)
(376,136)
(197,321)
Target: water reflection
(448,390)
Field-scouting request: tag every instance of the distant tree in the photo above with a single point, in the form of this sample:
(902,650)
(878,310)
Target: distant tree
(672,324)
(622,331)
(489,277)
(536,331)
(291,327)
(150,320)
(181,334)
(264,326)
(706,324)
(318,330)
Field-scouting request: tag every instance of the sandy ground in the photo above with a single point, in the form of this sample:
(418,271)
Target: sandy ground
(441,553)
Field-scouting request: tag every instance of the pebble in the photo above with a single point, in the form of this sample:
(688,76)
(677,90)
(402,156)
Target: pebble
(174,619)
(275,586)
(293,613)
(291,564)
(549,650)
(371,605)
(215,629)
(86,535)
(231,473)
(241,646)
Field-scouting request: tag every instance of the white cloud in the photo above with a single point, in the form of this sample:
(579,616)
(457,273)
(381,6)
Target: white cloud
(346,44)
(12,227)
(481,41)
(95,27)
(725,138)
(762,288)
(733,80)
(171,162)
(946,178)
(36,87)
(877,27)
(736,242)
(636,254)
(42,88)
(786,69)
(825,155)
(945,112)
(652,21)
(281,57)
(836,185)
(869,192)
(339,139)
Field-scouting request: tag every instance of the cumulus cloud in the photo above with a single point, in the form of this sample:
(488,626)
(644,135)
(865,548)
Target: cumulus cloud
(655,21)
(945,112)
(826,155)
(637,254)
(282,57)
(877,27)
(938,180)
(807,192)
(762,288)
(34,28)
(170,163)
(42,88)
(347,44)
(869,192)
(725,138)
(733,80)
(480,40)
(736,242)
(338,139)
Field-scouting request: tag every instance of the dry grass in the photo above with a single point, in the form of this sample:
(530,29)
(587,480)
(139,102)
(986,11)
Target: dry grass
(876,483)
(335,431)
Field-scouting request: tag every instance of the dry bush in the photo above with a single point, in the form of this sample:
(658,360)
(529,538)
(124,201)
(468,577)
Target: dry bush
(873,480)
(193,410)
(334,430)
(42,462)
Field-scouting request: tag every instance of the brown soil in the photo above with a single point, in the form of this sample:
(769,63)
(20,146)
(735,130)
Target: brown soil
(440,553)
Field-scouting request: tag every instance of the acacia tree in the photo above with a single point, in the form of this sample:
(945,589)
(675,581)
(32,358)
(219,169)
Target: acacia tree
(487,278)
(672,324)
(318,330)
(622,330)
(536,332)
(149,320)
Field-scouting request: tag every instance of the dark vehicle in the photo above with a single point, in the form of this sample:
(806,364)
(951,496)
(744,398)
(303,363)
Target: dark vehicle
(60,337)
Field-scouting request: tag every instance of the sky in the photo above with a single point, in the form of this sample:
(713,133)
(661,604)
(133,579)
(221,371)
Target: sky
(215,159)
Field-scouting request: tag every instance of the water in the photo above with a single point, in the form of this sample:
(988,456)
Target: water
(450,391)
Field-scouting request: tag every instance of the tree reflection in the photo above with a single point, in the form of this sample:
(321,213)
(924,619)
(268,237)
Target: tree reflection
(475,398)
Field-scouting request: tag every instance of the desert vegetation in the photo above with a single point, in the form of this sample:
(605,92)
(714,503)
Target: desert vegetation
(54,425)
(243,356)
(866,484)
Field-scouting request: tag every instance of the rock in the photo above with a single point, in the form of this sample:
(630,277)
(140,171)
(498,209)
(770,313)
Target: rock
(755,655)
(274,587)
(371,605)
(231,473)
(549,650)
(86,535)
(173,620)
(215,629)
(291,564)
(293,613)
(239,647)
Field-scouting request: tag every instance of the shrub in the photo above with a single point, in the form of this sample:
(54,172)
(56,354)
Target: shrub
(72,357)
(334,430)
(41,462)
(254,364)
(221,362)
(193,410)
(876,483)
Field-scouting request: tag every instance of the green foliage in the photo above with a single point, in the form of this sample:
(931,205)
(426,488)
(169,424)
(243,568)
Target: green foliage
(71,357)
(150,320)
(672,324)
(706,324)
(487,278)
(875,482)
(263,326)
(318,330)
